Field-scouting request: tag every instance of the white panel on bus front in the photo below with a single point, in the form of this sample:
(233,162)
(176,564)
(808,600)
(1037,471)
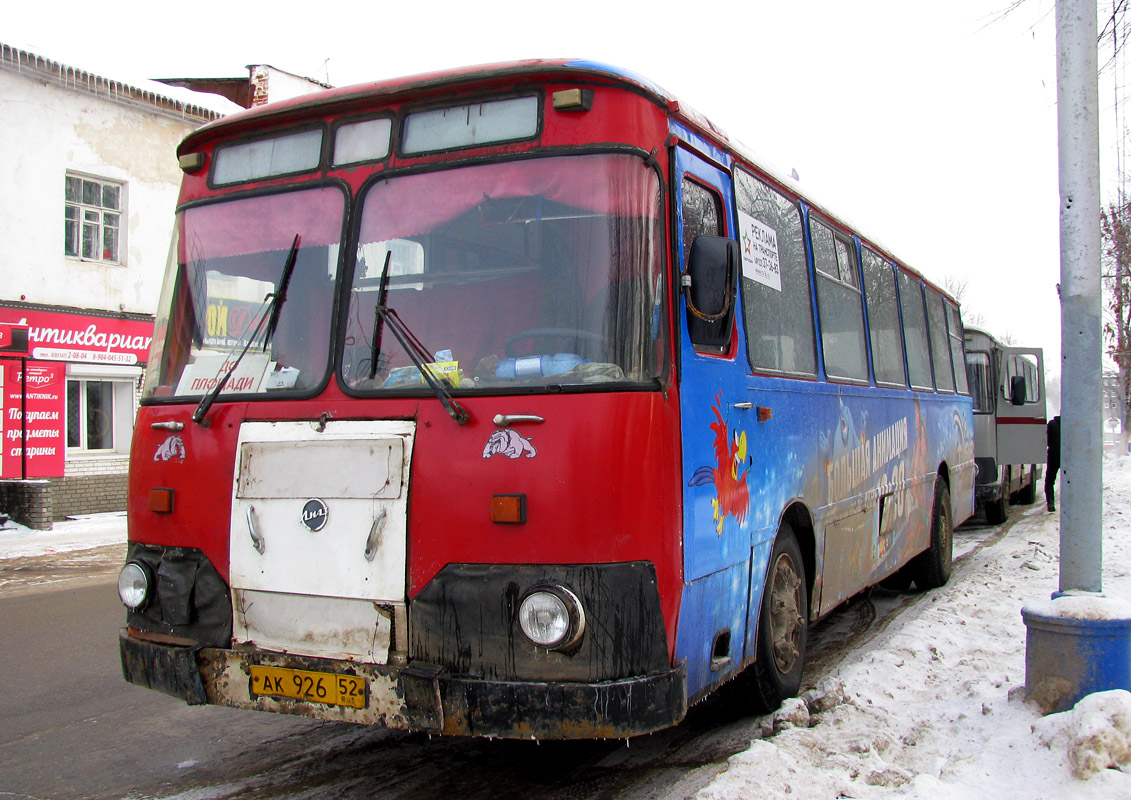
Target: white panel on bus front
(319,514)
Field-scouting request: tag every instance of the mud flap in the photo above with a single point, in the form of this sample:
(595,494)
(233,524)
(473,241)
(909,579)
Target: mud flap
(165,668)
(421,687)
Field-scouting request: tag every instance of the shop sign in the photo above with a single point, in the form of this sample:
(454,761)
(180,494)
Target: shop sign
(46,416)
(13,339)
(59,336)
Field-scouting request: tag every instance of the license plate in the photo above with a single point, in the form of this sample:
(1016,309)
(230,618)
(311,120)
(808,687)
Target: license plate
(316,687)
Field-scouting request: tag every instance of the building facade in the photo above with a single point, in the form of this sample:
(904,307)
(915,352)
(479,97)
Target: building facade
(91,178)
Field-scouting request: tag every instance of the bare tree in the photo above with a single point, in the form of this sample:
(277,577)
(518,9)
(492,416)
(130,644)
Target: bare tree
(1116,228)
(956,288)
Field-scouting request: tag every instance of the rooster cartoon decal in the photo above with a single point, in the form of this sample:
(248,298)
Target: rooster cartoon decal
(732,495)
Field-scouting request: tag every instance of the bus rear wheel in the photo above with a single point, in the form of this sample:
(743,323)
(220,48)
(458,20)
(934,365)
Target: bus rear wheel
(782,626)
(932,567)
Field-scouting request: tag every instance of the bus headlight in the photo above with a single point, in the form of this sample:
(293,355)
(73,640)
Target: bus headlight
(551,617)
(134,585)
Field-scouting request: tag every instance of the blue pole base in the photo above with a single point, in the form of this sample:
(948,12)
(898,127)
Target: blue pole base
(1076,645)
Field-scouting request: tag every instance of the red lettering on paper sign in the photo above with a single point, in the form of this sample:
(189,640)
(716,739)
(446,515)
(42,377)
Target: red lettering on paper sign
(46,407)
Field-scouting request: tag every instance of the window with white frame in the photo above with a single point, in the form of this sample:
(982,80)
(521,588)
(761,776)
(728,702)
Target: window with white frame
(99,413)
(92,219)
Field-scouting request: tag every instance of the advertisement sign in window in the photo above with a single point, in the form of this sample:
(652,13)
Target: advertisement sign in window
(45,422)
(759,245)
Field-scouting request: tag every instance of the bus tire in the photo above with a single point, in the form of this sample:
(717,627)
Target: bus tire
(931,568)
(782,626)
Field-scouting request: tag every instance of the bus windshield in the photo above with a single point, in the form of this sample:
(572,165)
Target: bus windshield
(225,282)
(525,274)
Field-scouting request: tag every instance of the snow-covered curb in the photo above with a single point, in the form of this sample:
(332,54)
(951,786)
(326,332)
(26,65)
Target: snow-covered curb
(95,530)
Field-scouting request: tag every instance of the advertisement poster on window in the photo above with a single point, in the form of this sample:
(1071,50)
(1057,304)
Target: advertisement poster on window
(46,420)
(760,259)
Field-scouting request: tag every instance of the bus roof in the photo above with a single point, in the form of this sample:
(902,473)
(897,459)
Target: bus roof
(357,96)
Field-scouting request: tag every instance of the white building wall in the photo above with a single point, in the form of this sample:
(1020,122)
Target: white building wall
(272,85)
(48,130)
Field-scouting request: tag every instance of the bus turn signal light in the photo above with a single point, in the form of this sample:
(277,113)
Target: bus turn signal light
(160,501)
(509,509)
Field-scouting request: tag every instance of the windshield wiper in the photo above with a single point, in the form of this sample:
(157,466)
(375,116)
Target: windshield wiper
(273,304)
(280,294)
(418,354)
(378,320)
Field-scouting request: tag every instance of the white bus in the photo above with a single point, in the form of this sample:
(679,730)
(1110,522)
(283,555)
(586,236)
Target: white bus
(1010,446)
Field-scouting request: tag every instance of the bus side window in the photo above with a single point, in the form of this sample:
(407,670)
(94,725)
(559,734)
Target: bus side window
(702,215)
(940,345)
(915,332)
(839,305)
(883,320)
(981,376)
(957,341)
(702,211)
(778,306)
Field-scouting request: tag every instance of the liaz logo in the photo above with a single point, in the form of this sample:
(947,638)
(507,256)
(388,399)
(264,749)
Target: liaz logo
(315,514)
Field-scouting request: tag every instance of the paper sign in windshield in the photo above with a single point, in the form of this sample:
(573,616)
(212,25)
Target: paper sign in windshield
(759,244)
(207,370)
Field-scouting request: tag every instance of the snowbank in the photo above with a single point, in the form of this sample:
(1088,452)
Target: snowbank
(81,533)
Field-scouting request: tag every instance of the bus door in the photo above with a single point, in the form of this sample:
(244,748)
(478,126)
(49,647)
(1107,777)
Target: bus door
(716,540)
(1021,435)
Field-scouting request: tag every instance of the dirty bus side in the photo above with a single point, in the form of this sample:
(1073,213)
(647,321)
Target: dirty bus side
(516,401)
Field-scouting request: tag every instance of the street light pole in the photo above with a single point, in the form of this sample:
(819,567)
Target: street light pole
(1081,538)
(1080,641)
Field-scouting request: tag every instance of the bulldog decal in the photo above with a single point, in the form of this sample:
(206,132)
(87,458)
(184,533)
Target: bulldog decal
(510,444)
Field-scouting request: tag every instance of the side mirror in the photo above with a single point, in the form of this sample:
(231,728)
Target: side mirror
(1017,390)
(709,287)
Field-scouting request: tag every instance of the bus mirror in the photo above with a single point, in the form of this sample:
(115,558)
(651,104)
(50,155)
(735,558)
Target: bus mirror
(1017,390)
(709,287)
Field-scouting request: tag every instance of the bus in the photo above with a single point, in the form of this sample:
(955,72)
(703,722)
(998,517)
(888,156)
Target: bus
(1007,385)
(554,412)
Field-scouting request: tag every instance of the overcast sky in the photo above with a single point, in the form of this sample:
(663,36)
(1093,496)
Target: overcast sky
(931,126)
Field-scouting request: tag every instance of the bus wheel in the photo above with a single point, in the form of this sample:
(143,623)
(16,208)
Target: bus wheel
(932,567)
(782,626)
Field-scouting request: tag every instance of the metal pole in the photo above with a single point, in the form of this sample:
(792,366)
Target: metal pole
(1081,538)
(23,419)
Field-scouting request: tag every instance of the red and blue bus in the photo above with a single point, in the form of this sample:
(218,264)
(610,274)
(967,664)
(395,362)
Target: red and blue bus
(519,401)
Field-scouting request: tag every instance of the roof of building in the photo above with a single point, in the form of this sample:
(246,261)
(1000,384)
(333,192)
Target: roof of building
(164,99)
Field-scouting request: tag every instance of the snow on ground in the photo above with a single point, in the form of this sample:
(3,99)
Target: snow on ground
(934,708)
(80,533)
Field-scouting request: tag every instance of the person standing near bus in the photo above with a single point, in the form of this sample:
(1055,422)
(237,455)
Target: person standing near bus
(1053,465)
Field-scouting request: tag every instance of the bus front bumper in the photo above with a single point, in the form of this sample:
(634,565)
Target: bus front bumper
(418,697)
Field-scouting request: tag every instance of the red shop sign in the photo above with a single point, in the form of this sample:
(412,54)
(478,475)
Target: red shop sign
(59,336)
(46,407)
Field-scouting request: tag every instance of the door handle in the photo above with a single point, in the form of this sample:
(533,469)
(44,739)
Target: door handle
(253,528)
(374,536)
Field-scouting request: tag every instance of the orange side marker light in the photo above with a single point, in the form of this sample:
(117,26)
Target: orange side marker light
(508,509)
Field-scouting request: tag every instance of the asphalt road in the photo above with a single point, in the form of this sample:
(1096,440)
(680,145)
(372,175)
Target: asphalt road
(70,727)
